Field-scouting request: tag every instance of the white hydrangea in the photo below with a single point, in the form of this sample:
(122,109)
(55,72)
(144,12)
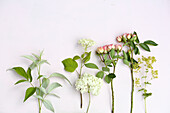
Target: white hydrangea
(89,83)
(86,43)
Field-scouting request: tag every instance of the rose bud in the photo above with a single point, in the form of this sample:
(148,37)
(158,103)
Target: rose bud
(134,37)
(124,37)
(105,49)
(110,47)
(118,47)
(128,36)
(100,50)
(119,38)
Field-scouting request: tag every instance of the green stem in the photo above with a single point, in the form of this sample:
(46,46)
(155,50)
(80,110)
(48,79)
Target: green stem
(89,103)
(112,92)
(132,79)
(39,102)
(145,98)
(81,95)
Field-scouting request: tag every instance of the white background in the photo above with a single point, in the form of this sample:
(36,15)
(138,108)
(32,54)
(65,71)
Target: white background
(27,26)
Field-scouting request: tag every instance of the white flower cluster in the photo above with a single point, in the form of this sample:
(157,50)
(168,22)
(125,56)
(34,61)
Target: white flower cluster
(89,83)
(86,43)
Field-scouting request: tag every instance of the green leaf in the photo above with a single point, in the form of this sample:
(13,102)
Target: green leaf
(87,58)
(41,53)
(112,53)
(136,50)
(34,64)
(38,97)
(29,92)
(29,57)
(125,55)
(60,76)
(108,62)
(76,57)
(100,74)
(20,71)
(107,79)
(41,76)
(144,46)
(43,61)
(42,89)
(36,56)
(29,74)
(120,57)
(70,65)
(54,95)
(105,57)
(112,75)
(91,65)
(147,83)
(53,86)
(126,62)
(150,42)
(45,82)
(147,95)
(20,81)
(137,39)
(105,69)
(48,105)
(132,44)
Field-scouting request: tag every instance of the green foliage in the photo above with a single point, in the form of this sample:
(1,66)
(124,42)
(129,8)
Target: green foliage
(125,55)
(87,58)
(112,75)
(48,105)
(29,74)
(20,81)
(60,76)
(100,74)
(70,65)
(45,82)
(126,62)
(137,39)
(53,86)
(107,79)
(145,46)
(150,42)
(105,69)
(29,92)
(91,65)
(76,57)
(112,53)
(20,71)
(147,95)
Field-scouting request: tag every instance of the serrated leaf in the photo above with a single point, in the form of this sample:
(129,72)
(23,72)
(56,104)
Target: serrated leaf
(29,57)
(38,97)
(29,74)
(112,75)
(150,42)
(45,82)
(29,92)
(20,81)
(105,69)
(91,65)
(48,105)
(112,53)
(60,76)
(145,47)
(70,65)
(76,57)
(87,58)
(20,71)
(100,74)
(53,86)
(107,79)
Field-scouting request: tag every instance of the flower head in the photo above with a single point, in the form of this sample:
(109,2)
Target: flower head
(118,47)
(119,38)
(110,47)
(86,43)
(105,49)
(100,50)
(89,84)
(128,36)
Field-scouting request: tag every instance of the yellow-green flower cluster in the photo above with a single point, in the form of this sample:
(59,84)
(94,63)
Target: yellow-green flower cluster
(86,43)
(89,84)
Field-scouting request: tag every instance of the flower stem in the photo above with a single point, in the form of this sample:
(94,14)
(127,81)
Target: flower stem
(112,91)
(132,78)
(81,100)
(89,103)
(145,106)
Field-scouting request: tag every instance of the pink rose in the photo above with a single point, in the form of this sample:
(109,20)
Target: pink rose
(100,50)
(134,36)
(124,35)
(119,38)
(110,47)
(118,47)
(105,49)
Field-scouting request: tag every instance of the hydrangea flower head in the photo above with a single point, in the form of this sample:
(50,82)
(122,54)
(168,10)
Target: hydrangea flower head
(89,84)
(86,43)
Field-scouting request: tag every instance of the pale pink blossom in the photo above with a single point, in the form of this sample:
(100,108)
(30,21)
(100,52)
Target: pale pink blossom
(118,47)
(110,46)
(119,38)
(100,50)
